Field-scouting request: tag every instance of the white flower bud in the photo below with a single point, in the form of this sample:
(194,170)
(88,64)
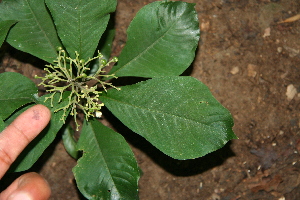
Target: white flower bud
(98,114)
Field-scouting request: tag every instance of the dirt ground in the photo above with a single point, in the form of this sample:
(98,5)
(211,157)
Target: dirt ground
(251,64)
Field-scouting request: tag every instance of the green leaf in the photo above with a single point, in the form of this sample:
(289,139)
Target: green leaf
(106,41)
(2,124)
(35,32)
(108,169)
(17,112)
(80,24)
(4,28)
(11,9)
(105,47)
(69,141)
(35,149)
(16,90)
(178,115)
(162,40)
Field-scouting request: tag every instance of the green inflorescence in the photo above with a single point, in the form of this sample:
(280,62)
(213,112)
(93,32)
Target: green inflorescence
(71,74)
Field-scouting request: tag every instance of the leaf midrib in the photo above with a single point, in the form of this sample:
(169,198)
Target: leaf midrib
(157,111)
(25,98)
(105,163)
(145,51)
(35,18)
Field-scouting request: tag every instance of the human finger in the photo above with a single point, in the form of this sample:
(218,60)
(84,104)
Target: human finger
(30,186)
(20,133)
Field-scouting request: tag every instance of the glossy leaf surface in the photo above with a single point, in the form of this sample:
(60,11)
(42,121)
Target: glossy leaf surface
(106,42)
(162,40)
(16,90)
(178,115)
(80,24)
(35,32)
(4,28)
(105,46)
(69,141)
(107,169)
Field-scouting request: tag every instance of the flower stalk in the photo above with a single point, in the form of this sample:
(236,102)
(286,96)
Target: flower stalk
(71,74)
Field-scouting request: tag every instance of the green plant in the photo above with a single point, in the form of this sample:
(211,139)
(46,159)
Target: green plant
(177,114)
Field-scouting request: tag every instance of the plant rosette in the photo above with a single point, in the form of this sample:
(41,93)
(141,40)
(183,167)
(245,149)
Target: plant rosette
(177,114)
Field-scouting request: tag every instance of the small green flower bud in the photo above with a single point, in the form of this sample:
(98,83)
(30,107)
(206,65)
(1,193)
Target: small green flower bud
(114,59)
(100,55)
(103,62)
(50,76)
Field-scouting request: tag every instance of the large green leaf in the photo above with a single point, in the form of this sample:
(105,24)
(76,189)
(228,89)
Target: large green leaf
(16,90)
(162,40)
(80,24)
(178,115)
(4,28)
(108,169)
(10,9)
(35,149)
(35,32)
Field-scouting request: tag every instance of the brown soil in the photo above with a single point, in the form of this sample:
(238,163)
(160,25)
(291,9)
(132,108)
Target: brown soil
(248,60)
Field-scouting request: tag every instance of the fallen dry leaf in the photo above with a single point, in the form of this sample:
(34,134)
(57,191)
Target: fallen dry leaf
(268,185)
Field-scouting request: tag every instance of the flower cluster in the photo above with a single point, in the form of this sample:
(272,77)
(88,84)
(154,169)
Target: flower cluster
(71,74)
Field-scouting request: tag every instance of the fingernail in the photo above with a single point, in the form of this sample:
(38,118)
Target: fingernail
(19,196)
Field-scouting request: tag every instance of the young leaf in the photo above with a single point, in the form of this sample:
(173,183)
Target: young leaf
(35,149)
(4,28)
(162,40)
(16,90)
(105,46)
(69,141)
(35,32)
(108,169)
(178,115)
(80,24)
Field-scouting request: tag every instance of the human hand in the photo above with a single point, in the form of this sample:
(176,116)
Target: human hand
(13,140)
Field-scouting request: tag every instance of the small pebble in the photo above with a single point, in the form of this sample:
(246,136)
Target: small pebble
(267,32)
(251,70)
(291,91)
(234,70)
